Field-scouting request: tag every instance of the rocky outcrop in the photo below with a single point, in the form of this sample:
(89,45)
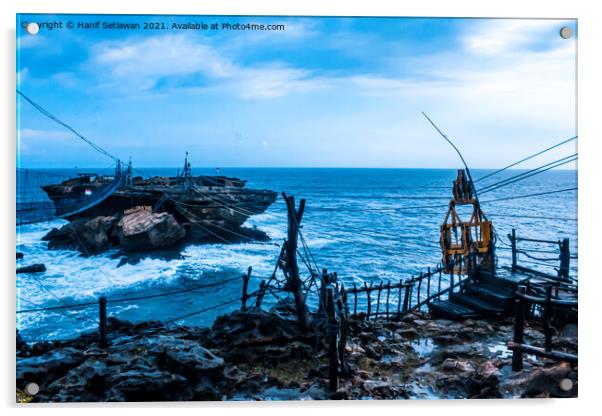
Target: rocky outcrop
(89,236)
(137,229)
(140,229)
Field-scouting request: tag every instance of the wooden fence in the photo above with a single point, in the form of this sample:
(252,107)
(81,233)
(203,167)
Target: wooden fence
(548,304)
(393,300)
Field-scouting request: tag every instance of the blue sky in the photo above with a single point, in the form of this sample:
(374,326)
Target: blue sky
(327,92)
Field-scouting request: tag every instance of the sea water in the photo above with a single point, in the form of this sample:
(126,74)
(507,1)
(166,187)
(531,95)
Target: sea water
(366,224)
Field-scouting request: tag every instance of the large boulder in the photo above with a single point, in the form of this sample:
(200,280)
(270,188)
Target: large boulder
(89,236)
(141,229)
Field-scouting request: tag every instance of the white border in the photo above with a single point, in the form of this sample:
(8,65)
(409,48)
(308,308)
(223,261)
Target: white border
(590,25)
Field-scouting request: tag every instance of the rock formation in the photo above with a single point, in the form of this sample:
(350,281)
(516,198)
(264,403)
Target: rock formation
(137,229)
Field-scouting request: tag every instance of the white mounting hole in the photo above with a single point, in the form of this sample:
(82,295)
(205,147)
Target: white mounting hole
(566,32)
(32,389)
(32,28)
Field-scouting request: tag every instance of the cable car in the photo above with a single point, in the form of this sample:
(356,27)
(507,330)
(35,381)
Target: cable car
(459,239)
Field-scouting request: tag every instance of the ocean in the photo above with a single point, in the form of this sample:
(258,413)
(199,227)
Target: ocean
(366,224)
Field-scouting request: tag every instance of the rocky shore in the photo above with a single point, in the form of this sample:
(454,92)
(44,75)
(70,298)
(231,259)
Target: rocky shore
(261,355)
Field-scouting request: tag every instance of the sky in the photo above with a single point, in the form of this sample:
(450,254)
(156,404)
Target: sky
(323,92)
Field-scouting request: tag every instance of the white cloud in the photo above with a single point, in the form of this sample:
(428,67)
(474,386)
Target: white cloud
(496,36)
(22,75)
(137,66)
(44,134)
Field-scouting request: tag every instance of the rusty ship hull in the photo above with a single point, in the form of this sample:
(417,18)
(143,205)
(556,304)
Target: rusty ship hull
(209,206)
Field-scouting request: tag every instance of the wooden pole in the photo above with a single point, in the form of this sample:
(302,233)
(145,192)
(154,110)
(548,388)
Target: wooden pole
(344,314)
(260,294)
(406,298)
(428,287)
(102,321)
(513,243)
(368,297)
(380,288)
(420,278)
(333,373)
(547,328)
(439,284)
(519,322)
(565,259)
(245,286)
(354,300)
(399,301)
(388,295)
(322,294)
(294,219)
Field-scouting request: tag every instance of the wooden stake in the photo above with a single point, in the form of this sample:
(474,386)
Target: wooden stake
(333,373)
(294,219)
(512,238)
(380,288)
(368,297)
(102,321)
(519,322)
(245,285)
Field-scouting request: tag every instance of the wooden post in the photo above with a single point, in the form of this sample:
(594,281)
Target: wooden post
(102,321)
(428,287)
(388,295)
(294,219)
(519,322)
(513,243)
(380,288)
(565,260)
(547,328)
(260,294)
(420,277)
(368,297)
(245,285)
(399,301)
(406,299)
(439,284)
(344,322)
(354,300)
(322,294)
(333,373)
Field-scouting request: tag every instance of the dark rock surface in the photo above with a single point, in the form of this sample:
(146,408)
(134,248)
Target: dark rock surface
(135,230)
(263,356)
(32,268)
(89,236)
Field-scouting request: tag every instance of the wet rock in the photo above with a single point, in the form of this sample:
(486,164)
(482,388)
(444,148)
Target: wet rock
(19,255)
(140,229)
(457,366)
(22,347)
(191,360)
(488,370)
(148,386)
(89,236)
(259,335)
(51,365)
(543,382)
(32,268)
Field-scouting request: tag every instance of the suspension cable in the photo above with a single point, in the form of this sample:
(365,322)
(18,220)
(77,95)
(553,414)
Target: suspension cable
(56,120)
(524,160)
